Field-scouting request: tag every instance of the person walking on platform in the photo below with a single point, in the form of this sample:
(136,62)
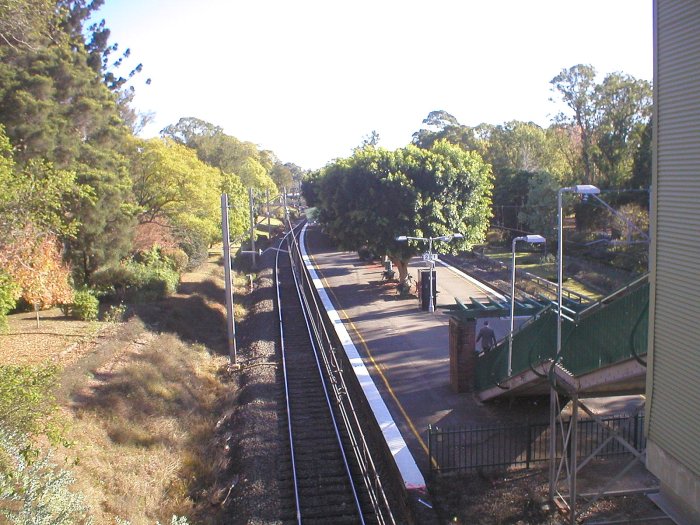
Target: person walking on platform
(487,337)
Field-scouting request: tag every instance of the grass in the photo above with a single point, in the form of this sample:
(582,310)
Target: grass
(546,270)
(140,400)
(144,433)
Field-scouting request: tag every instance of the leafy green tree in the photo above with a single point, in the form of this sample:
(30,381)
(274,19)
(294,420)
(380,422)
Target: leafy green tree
(577,89)
(624,107)
(641,167)
(540,212)
(84,137)
(25,23)
(173,186)
(282,176)
(608,118)
(376,195)
(444,126)
(225,152)
(311,185)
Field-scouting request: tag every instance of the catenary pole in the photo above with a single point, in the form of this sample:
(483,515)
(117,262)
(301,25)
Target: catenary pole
(230,322)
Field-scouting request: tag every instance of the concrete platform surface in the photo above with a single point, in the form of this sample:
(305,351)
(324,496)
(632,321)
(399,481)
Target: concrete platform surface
(406,349)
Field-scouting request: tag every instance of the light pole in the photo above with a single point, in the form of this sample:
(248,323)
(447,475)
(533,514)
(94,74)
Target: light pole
(446,238)
(534,239)
(581,189)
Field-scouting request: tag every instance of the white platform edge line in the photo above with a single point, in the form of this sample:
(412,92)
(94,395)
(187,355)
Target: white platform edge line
(469,278)
(412,477)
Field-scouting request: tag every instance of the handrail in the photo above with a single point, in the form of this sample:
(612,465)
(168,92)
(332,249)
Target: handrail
(639,280)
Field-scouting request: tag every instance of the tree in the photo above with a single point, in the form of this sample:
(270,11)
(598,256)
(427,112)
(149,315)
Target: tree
(35,263)
(540,212)
(444,126)
(58,113)
(25,23)
(641,167)
(172,186)
(576,86)
(624,107)
(223,151)
(282,176)
(608,118)
(376,195)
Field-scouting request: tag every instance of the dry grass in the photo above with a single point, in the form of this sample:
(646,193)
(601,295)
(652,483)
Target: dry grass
(144,432)
(141,400)
(57,339)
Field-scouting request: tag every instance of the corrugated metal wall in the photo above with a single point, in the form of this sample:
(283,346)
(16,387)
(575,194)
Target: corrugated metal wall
(674,381)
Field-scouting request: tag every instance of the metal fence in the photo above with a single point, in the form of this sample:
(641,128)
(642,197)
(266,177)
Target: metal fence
(524,446)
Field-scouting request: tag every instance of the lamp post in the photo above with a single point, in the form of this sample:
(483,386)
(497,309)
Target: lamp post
(581,189)
(429,240)
(534,239)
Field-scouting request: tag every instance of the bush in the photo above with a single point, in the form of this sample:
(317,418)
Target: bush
(85,306)
(176,258)
(9,293)
(196,249)
(26,406)
(38,489)
(155,282)
(115,313)
(137,281)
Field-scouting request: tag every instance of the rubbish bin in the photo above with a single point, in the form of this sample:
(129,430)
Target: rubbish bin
(425,289)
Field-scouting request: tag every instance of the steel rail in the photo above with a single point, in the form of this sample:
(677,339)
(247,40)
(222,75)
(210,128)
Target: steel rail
(344,401)
(315,350)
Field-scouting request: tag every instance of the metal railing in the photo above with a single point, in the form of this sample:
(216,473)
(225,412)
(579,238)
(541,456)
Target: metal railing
(611,333)
(524,446)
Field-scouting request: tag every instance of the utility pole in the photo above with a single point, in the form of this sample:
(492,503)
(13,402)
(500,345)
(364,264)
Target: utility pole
(267,201)
(252,223)
(230,322)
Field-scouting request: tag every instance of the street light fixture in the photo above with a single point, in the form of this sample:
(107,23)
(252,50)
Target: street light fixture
(446,238)
(534,239)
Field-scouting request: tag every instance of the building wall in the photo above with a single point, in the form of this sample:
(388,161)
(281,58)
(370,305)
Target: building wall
(673,379)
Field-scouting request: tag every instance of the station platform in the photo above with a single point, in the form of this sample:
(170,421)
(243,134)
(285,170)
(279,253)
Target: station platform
(401,352)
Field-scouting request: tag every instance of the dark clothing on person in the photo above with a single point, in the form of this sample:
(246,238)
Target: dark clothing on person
(487,337)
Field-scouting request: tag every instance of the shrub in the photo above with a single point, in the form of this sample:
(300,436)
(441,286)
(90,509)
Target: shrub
(38,489)
(25,404)
(196,249)
(136,281)
(85,306)
(177,258)
(115,313)
(9,293)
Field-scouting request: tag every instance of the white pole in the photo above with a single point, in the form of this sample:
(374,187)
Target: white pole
(252,224)
(230,322)
(512,312)
(560,266)
(431,306)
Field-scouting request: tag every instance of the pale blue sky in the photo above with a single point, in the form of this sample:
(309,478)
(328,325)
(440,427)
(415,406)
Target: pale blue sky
(309,79)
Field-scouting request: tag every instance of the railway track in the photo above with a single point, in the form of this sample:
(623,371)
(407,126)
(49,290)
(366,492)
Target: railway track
(331,471)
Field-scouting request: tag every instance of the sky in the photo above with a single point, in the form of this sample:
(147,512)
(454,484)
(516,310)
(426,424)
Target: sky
(310,79)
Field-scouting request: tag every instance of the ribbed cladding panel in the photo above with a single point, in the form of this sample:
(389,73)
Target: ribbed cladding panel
(675,404)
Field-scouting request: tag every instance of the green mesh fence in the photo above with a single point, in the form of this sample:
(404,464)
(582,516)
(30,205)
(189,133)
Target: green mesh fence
(614,332)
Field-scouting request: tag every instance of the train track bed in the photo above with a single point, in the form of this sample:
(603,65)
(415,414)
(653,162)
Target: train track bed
(331,471)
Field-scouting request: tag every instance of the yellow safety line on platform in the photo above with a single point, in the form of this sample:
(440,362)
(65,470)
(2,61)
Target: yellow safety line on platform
(376,366)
